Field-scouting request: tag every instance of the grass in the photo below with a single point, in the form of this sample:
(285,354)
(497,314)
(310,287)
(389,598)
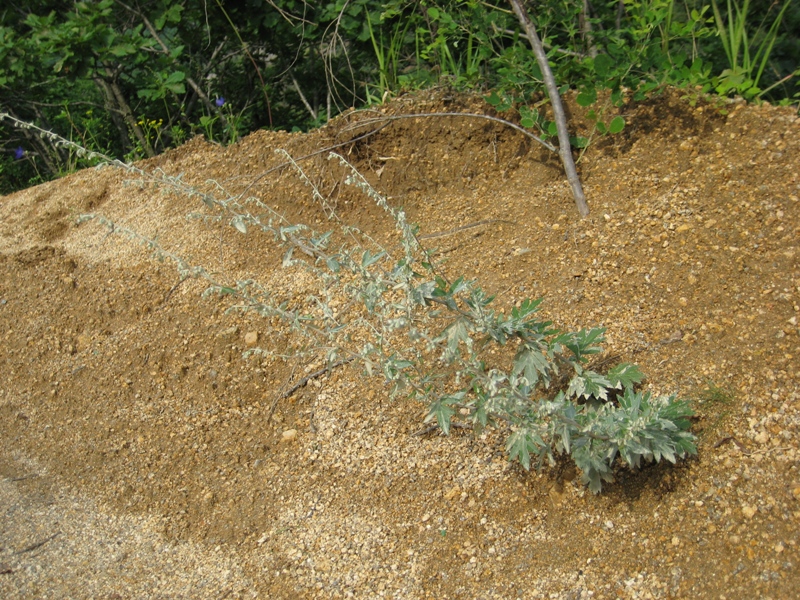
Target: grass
(714,403)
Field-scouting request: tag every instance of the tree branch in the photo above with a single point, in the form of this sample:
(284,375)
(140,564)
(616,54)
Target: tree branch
(514,126)
(303,97)
(564,148)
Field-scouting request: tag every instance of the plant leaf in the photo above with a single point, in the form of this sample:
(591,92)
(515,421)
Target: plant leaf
(624,375)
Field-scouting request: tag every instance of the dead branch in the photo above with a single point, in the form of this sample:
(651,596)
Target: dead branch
(303,97)
(427,430)
(387,120)
(514,126)
(33,547)
(314,375)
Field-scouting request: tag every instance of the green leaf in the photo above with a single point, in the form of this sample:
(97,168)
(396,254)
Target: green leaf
(530,363)
(528,117)
(527,307)
(239,224)
(624,375)
(442,411)
(455,334)
(423,293)
(368,259)
(333,264)
(617,124)
(287,258)
(587,97)
(493,99)
(593,466)
(603,63)
(578,141)
(172,14)
(123,49)
(175,77)
(517,447)
(588,385)
(582,342)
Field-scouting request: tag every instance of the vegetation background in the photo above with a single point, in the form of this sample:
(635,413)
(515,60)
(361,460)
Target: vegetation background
(131,79)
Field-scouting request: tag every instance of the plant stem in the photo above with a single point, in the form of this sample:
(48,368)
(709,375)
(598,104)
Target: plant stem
(564,148)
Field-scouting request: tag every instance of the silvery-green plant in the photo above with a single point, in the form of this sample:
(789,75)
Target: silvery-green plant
(443,341)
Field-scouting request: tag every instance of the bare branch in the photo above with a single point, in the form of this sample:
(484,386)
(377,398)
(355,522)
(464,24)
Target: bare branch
(514,126)
(303,97)
(564,148)
(545,44)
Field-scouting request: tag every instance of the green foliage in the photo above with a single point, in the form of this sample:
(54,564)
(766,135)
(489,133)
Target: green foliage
(293,64)
(748,51)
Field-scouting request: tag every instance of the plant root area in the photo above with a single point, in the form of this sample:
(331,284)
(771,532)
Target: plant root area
(145,454)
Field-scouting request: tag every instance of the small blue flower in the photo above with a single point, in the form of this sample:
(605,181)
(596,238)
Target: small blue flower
(19,153)
(220,102)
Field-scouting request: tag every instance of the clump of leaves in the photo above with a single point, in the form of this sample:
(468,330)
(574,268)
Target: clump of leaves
(595,418)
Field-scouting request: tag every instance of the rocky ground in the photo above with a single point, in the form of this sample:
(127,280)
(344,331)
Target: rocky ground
(143,455)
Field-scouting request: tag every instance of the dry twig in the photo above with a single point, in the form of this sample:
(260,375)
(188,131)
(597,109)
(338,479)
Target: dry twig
(33,547)
(314,375)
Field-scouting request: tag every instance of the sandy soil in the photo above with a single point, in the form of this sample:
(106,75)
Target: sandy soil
(143,455)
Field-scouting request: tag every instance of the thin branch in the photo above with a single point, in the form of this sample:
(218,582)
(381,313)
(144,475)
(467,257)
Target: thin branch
(545,44)
(459,114)
(252,60)
(422,432)
(428,236)
(127,113)
(564,147)
(283,165)
(170,292)
(585,23)
(303,97)
(33,547)
(23,478)
(279,395)
(387,120)
(316,374)
(72,103)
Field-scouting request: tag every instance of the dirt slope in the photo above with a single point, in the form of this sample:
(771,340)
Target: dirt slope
(134,430)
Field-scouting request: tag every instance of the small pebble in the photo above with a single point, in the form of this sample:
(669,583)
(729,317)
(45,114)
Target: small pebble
(452,493)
